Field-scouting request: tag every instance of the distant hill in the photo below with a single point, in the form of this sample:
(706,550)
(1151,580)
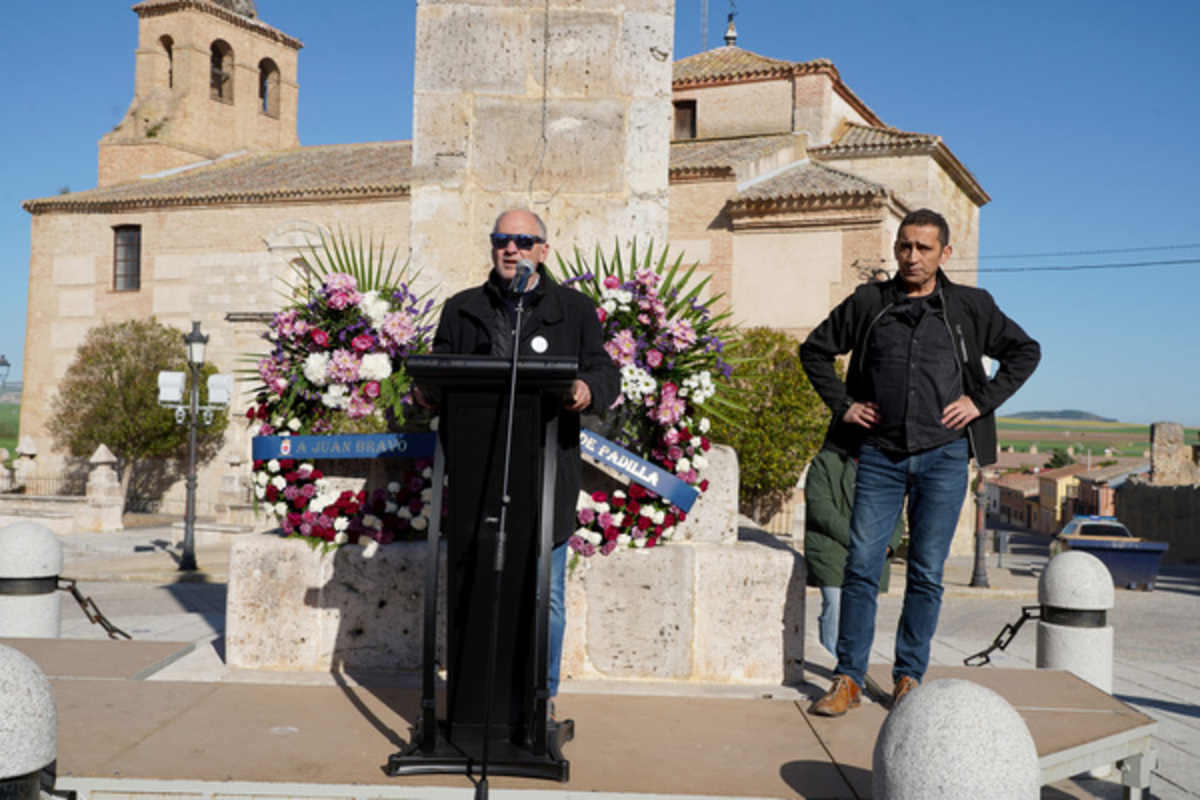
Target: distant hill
(1068,414)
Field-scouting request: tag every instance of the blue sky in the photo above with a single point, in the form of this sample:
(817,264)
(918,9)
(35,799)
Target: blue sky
(1079,118)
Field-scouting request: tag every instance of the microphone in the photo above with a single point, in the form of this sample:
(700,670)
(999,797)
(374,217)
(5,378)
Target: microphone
(521,280)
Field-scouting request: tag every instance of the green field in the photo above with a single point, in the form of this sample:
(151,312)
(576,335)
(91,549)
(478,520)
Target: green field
(1123,438)
(10,420)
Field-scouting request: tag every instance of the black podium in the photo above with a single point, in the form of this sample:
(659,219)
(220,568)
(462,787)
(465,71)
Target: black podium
(474,400)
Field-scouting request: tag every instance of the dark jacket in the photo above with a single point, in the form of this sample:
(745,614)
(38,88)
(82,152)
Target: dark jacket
(977,327)
(476,322)
(828,503)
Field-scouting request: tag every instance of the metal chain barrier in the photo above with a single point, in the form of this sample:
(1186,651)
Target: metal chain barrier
(1007,633)
(91,610)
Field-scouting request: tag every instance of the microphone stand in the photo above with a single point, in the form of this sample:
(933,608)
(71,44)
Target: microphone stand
(481,788)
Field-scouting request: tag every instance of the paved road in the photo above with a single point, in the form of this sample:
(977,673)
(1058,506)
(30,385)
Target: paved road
(133,579)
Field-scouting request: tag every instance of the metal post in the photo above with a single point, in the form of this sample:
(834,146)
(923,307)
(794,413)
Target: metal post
(187,562)
(979,577)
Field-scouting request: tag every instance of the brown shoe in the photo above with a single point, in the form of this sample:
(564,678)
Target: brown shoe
(903,687)
(841,697)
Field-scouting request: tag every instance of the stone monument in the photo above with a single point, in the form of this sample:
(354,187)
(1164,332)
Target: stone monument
(562,106)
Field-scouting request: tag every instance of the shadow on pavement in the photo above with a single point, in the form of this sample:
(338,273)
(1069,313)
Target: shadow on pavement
(805,776)
(1180,709)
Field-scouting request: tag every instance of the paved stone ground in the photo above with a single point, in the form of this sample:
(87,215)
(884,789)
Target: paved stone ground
(132,577)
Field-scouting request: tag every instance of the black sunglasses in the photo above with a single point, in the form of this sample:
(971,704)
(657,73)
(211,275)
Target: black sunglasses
(523,240)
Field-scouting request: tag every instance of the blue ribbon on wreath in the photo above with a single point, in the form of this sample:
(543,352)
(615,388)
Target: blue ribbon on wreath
(639,470)
(356,445)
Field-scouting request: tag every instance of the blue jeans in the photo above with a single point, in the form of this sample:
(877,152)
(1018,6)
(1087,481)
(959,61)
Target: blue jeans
(558,615)
(935,483)
(827,622)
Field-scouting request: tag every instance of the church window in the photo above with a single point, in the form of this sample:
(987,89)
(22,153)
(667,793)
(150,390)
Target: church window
(268,87)
(168,47)
(127,258)
(685,119)
(221,73)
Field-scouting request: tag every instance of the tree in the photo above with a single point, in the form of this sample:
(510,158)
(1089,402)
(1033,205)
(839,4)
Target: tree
(109,396)
(1059,457)
(779,422)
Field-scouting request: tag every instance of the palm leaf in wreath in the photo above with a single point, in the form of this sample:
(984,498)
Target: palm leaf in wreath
(680,288)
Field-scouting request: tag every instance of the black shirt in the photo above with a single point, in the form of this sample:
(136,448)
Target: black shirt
(914,374)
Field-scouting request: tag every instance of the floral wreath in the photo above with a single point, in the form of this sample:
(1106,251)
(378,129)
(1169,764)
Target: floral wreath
(669,348)
(336,365)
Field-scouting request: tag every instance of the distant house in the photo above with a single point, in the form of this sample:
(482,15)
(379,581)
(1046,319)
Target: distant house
(1018,498)
(1097,488)
(1055,487)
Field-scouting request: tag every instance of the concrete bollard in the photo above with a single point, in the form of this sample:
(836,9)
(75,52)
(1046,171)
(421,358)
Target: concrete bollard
(1075,592)
(953,739)
(28,725)
(31,560)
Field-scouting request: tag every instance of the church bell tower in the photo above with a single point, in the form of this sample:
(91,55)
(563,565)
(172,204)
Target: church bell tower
(211,79)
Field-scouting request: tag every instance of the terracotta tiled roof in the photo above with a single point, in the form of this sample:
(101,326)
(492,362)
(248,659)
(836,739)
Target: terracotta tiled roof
(1115,472)
(809,180)
(720,156)
(725,63)
(328,172)
(1022,482)
(1063,472)
(856,138)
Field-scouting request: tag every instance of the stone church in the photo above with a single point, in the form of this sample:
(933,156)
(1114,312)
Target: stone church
(775,176)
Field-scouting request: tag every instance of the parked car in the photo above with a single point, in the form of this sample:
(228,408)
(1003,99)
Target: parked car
(1091,525)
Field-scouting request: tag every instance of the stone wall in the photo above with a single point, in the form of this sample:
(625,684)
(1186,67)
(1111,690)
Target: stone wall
(741,109)
(1168,514)
(224,267)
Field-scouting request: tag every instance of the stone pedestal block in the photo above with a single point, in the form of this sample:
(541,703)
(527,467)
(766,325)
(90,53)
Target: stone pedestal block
(714,517)
(26,467)
(706,612)
(105,500)
(719,613)
(292,607)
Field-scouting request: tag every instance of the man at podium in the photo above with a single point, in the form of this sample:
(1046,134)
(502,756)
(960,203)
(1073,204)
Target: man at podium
(556,321)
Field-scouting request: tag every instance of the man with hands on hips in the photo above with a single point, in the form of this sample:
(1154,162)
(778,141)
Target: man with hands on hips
(915,405)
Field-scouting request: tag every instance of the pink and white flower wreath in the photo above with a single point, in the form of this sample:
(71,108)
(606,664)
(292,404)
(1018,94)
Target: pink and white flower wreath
(668,347)
(337,365)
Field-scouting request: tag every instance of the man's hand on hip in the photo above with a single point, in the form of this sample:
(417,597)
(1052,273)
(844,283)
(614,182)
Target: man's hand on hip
(864,414)
(959,414)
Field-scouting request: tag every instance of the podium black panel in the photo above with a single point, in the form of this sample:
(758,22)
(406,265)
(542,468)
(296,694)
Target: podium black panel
(474,407)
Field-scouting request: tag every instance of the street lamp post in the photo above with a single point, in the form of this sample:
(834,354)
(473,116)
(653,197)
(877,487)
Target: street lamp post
(196,343)
(189,412)
(979,577)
